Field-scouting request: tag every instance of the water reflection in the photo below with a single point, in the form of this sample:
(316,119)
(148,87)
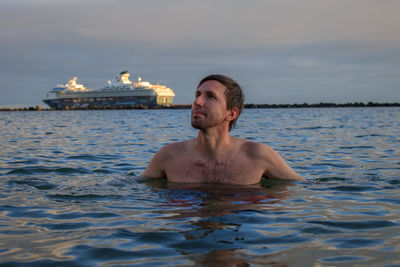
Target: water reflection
(214,215)
(68,195)
(218,200)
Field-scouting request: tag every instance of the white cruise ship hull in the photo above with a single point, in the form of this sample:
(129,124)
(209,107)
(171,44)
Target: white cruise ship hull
(124,94)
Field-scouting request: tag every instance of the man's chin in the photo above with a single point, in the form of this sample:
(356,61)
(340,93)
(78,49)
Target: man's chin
(197,125)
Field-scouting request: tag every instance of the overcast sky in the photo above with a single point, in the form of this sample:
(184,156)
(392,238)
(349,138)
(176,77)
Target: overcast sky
(280,51)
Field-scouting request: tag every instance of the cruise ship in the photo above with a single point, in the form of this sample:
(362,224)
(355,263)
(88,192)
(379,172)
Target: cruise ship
(119,94)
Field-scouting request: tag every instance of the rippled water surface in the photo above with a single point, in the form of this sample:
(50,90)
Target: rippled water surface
(69,194)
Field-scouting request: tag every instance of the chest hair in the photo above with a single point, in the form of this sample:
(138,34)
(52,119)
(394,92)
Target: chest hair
(216,171)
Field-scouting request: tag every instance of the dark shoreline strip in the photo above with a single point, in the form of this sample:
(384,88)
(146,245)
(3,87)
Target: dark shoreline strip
(188,106)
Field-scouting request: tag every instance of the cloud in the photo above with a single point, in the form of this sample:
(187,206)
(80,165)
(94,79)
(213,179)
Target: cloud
(296,51)
(218,23)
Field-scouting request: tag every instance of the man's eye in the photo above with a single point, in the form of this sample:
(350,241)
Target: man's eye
(212,96)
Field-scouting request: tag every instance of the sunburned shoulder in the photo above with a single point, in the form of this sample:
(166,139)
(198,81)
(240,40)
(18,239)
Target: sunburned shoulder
(275,165)
(256,150)
(171,149)
(165,156)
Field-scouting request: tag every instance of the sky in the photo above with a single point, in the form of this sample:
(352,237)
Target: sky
(279,51)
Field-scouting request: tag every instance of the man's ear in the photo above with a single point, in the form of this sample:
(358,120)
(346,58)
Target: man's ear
(233,114)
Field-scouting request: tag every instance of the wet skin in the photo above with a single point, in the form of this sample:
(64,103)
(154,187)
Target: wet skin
(214,156)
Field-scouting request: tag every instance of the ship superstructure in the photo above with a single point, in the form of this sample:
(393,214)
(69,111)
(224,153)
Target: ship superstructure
(119,94)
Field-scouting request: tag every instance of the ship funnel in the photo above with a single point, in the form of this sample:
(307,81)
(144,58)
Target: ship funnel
(124,77)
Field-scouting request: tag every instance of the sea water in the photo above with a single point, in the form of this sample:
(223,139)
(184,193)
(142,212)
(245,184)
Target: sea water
(69,193)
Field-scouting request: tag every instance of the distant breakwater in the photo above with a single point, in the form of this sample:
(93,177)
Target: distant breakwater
(188,106)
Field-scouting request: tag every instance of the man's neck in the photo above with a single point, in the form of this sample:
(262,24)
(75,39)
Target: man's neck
(213,143)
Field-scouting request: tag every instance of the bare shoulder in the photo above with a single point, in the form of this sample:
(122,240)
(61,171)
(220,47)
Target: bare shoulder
(273,164)
(168,153)
(258,150)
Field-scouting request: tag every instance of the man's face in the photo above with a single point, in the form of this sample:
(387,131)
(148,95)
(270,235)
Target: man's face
(209,107)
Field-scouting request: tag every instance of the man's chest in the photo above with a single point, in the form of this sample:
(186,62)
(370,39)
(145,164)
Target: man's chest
(227,171)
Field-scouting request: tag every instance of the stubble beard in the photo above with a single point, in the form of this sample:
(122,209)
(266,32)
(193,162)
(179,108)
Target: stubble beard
(198,122)
(204,123)
(205,120)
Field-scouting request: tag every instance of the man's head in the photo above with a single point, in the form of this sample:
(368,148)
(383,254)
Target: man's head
(232,92)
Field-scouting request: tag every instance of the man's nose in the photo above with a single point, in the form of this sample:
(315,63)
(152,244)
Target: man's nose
(198,101)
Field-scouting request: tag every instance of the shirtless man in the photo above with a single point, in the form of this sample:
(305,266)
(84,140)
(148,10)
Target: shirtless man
(215,156)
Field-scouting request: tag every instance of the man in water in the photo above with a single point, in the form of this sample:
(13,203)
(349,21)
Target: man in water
(215,156)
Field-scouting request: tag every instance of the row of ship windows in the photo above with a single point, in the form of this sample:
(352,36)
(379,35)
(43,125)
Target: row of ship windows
(165,100)
(87,99)
(92,99)
(117,89)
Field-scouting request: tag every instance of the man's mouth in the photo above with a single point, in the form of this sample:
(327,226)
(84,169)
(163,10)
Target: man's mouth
(197,112)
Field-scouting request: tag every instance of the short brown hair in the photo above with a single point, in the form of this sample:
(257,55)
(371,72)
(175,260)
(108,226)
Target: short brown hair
(234,94)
